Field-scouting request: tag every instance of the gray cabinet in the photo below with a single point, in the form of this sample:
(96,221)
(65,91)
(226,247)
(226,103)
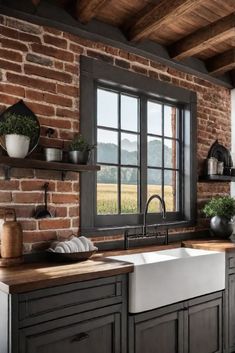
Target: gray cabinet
(188,327)
(96,332)
(230,303)
(87,317)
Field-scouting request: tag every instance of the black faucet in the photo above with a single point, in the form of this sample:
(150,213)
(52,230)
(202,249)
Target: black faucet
(163,206)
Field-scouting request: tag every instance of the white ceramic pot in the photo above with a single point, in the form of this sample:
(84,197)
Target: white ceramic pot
(17,146)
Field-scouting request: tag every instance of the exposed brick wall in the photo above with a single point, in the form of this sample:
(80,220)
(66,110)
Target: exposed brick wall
(41,66)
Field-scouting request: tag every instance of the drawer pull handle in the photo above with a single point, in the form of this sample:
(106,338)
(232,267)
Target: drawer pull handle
(80,337)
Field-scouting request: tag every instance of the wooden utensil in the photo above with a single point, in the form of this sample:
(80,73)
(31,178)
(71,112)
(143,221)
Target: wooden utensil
(11,237)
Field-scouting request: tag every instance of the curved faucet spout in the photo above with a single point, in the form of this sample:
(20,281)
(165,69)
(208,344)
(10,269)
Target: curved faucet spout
(163,207)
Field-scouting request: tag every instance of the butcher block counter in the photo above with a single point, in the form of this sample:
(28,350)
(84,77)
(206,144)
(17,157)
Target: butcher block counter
(216,245)
(29,277)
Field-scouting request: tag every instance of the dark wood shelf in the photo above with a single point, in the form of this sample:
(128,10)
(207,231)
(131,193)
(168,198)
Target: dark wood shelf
(8,163)
(216,178)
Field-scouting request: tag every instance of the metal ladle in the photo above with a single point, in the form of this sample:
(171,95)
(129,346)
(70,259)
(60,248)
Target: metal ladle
(42,212)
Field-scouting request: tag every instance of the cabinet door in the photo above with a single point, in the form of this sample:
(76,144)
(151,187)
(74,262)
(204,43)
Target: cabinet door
(231,312)
(163,334)
(96,335)
(204,325)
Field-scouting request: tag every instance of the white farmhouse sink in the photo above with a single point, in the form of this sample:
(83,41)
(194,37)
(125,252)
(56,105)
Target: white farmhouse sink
(169,276)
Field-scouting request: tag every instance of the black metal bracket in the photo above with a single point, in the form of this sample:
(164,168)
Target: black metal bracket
(7,172)
(63,175)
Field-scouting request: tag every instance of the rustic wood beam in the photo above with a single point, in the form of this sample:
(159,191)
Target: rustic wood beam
(221,63)
(202,39)
(88,9)
(163,14)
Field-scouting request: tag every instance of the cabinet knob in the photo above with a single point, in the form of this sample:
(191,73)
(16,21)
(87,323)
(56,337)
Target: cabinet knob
(80,337)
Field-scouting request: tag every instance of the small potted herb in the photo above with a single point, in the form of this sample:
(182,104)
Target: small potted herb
(18,131)
(79,150)
(222,211)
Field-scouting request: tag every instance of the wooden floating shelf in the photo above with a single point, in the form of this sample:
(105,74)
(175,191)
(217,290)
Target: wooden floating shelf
(216,178)
(9,162)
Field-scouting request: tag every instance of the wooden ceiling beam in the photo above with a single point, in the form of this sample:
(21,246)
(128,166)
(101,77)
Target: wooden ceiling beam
(159,16)
(88,9)
(202,39)
(221,63)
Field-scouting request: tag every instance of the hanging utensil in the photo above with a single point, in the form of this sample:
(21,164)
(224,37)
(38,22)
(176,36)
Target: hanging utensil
(42,212)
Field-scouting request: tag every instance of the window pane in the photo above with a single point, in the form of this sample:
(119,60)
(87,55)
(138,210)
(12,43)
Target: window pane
(170,153)
(129,190)
(129,113)
(154,118)
(154,152)
(171,178)
(170,128)
(154,187)
(107,108)
(107,190)
(129,149)
(107,146)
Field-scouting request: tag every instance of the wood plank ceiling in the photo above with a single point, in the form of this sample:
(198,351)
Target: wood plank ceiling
(204,29)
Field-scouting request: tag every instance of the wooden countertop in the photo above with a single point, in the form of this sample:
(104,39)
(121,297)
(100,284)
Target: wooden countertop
(216,245)
(32,276)
(29,277)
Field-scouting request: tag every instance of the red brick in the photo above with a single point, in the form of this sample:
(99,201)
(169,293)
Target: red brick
(9,100)
(64,198)
(47,73)
(24,211)
(100,56)
(12,89)
(28,224)
(54,224)
(76,48)
(21,173)
(34,95)
(56,123)
(9,66)
(58,100)
(13,44)
(72,68)
(55,41)
(73,211)
(27,197)
(54,31)
(68,90)
(138,59)
(139,69)
(64,186)
(31,82)
(67,113)
(32,237)
(9,184)
(53,52)
(10,55)
(5,196)
(32,185)
(41,109)
(61,212)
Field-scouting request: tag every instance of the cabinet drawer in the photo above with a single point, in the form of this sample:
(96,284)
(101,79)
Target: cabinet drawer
(59,301)
(97,332)
(231,262)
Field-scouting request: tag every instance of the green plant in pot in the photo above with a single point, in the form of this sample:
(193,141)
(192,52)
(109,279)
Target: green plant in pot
(79,150)
(222,211)
(18,131)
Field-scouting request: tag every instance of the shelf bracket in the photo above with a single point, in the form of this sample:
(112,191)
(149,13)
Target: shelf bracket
(7,172)
(63,175)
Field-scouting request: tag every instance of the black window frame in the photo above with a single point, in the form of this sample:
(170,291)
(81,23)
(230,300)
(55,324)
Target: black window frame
(96,73)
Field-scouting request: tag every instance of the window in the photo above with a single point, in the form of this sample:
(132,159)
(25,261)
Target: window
(145,136)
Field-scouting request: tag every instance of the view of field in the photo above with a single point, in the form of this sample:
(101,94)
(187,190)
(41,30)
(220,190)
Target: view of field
(107,198)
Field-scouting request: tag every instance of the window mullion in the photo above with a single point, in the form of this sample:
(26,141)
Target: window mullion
(119,153)
(163,152)
(143,152)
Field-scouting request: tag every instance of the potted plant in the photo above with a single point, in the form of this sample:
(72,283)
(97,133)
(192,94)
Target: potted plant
(79,150)
(18,131)
(222,211)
